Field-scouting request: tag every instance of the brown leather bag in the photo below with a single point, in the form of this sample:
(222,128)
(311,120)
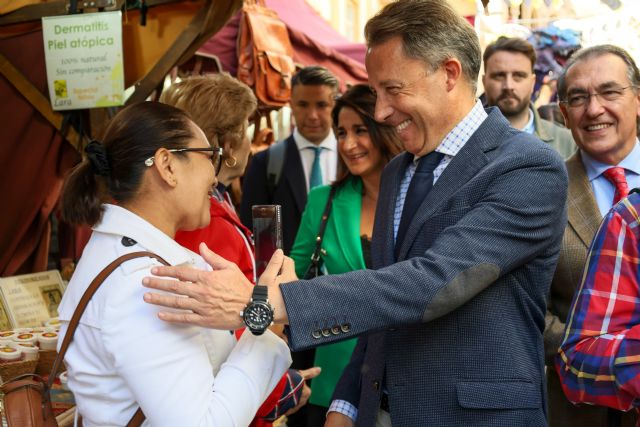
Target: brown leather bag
(27,400)
(265,55)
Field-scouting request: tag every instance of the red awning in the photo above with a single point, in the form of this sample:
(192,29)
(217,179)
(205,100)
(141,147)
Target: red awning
(317,44)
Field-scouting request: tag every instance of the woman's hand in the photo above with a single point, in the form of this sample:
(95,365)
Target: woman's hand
(212,299)
(307,374)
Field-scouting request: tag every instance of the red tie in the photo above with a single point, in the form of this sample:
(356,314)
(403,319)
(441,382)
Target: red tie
(616,176)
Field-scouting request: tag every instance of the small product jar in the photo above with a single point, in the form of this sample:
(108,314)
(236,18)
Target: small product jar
(53,322)
(48,340)
(7,335)
(29,351)
(10,354)
(26,337)
(64,379)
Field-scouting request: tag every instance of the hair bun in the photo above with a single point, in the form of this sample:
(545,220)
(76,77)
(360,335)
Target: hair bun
(97,155)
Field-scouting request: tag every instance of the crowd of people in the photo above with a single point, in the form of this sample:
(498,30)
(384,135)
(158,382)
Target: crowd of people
(467,275)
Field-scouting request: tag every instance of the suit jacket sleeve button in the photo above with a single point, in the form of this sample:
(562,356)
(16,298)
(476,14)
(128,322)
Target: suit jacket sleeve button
(326,332)
(335,330)
(346,327)
(316,334)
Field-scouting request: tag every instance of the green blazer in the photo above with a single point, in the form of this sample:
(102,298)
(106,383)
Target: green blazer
(341,253)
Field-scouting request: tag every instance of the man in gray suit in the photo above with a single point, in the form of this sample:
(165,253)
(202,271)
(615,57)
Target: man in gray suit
(455,308)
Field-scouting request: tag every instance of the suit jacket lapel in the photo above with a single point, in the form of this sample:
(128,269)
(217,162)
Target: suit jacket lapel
(345,215)
(293,173)
(382,243)
(582,209)
(464,165)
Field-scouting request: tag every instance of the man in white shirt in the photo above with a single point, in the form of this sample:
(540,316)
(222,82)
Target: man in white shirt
(307,158)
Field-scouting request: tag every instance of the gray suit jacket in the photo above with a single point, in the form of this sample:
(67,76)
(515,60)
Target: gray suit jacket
(556,136)
(461,312)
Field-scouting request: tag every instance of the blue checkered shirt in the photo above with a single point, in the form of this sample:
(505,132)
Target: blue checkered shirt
(450,146)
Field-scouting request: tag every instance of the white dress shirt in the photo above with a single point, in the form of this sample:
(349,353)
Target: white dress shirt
(123,357)
(328,156)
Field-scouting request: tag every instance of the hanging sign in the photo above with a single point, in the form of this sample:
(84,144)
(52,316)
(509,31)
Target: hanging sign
(83,54)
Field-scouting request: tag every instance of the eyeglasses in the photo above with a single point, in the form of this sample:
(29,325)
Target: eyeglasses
(608,95)
(216,155)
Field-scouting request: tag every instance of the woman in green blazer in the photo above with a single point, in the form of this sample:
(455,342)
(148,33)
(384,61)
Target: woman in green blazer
(365,147)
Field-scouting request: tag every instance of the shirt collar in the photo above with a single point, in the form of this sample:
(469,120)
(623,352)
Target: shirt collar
(594,168)
(462,132)
(328,143)
(529,127)
(119,221)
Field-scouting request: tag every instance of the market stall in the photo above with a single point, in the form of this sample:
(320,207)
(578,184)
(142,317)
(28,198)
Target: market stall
(39,144)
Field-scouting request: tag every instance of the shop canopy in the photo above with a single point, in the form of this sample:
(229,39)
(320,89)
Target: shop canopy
(314,42)
(34,153)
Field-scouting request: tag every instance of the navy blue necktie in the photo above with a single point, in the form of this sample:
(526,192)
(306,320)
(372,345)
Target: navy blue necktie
(420,185)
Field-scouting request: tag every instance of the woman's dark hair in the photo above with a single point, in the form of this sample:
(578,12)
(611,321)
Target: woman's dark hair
(132,136)
(361,99)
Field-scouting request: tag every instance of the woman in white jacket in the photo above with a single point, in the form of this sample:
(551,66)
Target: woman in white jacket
(152,176)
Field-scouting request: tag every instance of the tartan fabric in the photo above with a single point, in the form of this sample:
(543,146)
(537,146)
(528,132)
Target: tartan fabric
(599,359)
(290,396)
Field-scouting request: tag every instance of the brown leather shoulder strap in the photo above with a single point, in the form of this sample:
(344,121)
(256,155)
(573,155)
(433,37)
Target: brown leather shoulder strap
(135,421)
(138,417)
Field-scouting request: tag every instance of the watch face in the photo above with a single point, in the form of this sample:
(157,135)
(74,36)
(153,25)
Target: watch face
(258,315)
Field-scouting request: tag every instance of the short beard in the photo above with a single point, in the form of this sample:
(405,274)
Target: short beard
(514,111)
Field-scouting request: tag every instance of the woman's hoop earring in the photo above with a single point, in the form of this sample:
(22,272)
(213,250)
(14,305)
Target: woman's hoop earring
(227,164)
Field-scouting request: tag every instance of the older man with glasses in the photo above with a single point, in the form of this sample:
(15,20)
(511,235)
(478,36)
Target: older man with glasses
(600,100)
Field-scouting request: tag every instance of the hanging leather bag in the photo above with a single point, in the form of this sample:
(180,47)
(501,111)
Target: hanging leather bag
(265,55)
(27,399)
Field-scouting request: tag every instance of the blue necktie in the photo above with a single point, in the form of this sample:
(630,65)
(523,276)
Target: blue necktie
(316,172)
(420,185)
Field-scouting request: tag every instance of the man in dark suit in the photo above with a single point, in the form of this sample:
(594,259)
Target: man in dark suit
(309,155)
(466,238)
